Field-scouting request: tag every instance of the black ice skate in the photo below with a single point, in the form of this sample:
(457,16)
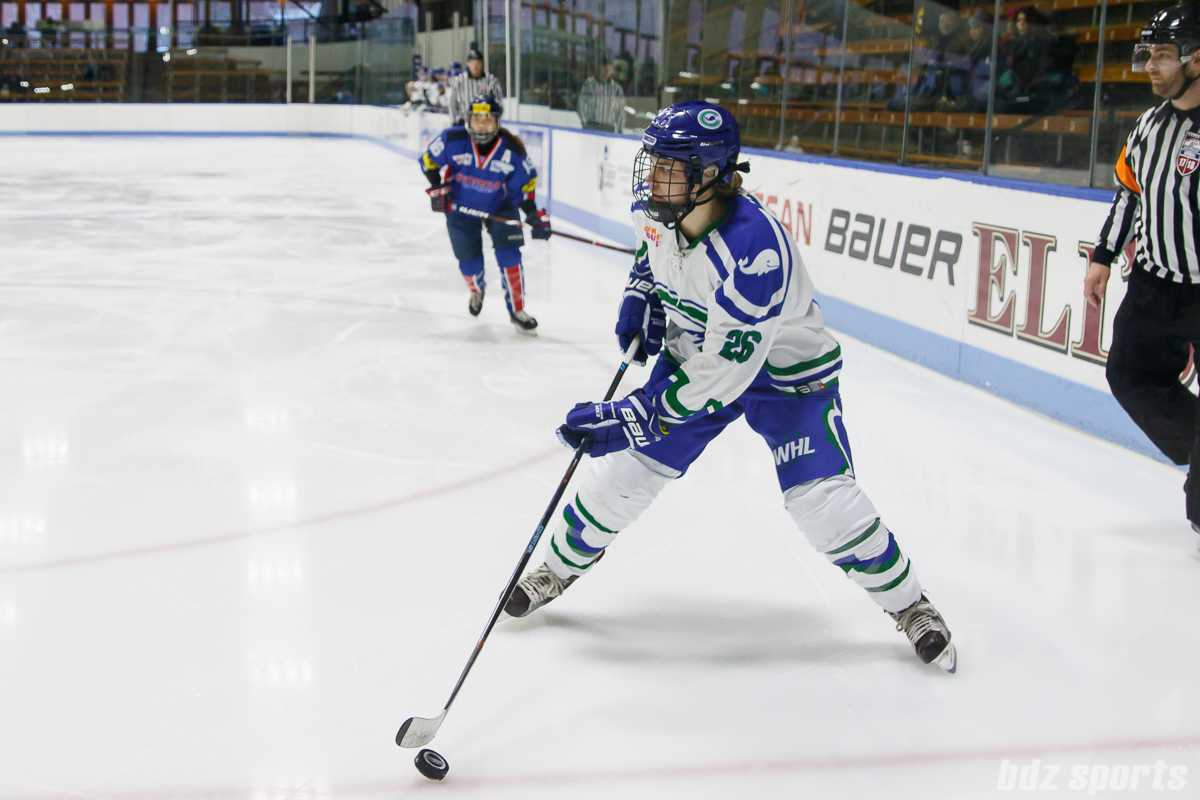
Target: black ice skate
(535,590)
(524,323)
(475,304)
(927,632)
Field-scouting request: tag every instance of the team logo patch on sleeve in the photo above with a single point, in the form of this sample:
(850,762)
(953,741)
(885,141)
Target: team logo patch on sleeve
(763,263)
(1188,158)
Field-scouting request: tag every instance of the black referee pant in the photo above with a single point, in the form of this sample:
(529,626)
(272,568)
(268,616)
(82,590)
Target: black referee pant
(1156,322)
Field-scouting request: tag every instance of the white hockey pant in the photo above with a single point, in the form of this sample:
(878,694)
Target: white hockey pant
(835,515)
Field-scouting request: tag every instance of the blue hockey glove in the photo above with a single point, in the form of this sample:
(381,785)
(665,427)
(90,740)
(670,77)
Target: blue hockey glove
(611,427)
(641,313)
(540,221)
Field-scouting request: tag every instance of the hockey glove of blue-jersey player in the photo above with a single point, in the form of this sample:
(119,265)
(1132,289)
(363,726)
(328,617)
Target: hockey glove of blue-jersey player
(538,220)
(439,198)
(605,428)
(641,313)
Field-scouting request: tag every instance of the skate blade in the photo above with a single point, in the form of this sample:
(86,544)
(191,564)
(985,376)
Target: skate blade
(523,332)
(418,732)
(948,658)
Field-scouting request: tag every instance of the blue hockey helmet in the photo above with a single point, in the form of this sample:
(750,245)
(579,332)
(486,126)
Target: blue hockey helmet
(483,105)
(697,134)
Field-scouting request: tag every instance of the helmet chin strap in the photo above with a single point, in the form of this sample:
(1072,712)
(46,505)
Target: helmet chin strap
(1187,82)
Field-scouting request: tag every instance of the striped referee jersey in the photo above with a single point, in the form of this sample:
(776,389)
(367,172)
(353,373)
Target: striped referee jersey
(603,103)
(1156,203)
(464,89)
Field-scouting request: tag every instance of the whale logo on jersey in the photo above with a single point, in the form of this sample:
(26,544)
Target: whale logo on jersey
(463,159)
(764,262)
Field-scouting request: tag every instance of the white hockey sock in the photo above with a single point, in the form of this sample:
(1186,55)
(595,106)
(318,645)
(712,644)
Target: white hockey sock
(839,520)
(613,492)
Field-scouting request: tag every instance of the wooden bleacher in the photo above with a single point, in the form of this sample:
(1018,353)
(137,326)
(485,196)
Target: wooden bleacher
(213,77)
(63,75)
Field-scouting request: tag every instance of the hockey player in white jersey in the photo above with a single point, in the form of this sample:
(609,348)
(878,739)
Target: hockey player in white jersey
(717,280)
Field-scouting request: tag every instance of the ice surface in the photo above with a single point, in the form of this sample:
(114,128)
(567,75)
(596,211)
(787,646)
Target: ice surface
(263,479)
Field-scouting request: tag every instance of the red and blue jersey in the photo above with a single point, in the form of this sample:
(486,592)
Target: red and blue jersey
(485,178)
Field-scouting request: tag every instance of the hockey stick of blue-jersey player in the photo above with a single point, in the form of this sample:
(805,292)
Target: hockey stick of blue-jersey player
(474,212)
(418,731)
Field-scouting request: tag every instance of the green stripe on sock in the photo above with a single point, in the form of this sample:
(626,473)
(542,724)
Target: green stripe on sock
(554,547)
(893,584)
(879,569)
(857,541)
(589,517)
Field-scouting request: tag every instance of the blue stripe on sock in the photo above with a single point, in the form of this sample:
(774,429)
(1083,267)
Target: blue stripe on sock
(850,562)
(574,534)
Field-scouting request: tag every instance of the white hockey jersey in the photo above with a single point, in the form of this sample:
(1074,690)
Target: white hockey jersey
(740,310)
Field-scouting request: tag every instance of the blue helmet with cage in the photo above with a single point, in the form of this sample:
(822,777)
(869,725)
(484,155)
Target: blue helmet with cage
(700,136)
(484,104)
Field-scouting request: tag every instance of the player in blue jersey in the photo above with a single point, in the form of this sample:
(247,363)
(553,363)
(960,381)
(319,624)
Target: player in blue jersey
(482,167)
(719,293)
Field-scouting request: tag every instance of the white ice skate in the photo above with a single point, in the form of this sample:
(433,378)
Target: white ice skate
(524,323)
(927,632)
(475,304)
(535,590)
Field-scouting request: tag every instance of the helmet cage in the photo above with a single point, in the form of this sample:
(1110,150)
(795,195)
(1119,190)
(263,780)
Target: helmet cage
(480,106)
(663,209)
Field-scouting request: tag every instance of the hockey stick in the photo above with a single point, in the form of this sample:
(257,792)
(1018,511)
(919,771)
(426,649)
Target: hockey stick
(418,731)
(474,212)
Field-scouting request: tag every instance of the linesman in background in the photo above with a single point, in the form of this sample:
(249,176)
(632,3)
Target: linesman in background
(1156,206)
(602,102)
(468,85)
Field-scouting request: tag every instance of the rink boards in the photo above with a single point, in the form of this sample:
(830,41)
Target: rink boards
(977,278)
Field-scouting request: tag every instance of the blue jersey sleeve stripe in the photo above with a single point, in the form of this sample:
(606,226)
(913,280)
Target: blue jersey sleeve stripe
(715,259)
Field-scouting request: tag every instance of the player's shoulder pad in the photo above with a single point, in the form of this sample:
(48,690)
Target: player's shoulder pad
(759,258)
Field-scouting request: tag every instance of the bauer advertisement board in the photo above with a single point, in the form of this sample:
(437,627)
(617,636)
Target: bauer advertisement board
(977,280)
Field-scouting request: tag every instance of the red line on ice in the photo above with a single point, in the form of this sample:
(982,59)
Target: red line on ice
(320,519)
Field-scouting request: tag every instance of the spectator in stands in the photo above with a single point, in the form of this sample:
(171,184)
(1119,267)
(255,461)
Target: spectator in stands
(1029,61)
(602,101)
(979,29)
(15,35)
(945,75)
(47,31)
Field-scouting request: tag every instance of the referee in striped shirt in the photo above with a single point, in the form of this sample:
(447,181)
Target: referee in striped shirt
(466,86)
(1157,207)
(602,102)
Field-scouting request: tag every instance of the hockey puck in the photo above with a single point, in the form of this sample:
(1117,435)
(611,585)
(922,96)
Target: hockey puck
(431,765)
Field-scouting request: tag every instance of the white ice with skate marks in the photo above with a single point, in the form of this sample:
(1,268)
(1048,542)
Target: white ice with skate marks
(264,478)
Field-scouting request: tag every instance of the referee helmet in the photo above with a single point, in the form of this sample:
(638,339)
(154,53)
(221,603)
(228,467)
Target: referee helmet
(1178,25)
